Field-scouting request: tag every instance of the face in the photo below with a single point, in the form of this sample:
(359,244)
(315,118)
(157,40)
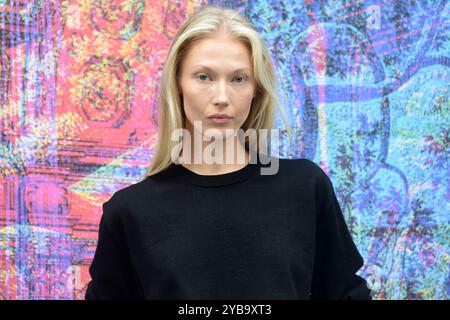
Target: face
(216,76)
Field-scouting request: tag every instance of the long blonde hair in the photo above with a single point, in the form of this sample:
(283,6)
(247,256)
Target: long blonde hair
(204,23)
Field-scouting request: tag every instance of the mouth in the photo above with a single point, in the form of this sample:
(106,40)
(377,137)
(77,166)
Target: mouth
(220,120)
(220,116)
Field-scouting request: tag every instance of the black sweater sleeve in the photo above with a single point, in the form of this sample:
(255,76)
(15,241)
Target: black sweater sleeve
(112,275)
(336,257)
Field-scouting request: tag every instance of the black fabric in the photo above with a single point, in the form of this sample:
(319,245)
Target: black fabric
(239,235)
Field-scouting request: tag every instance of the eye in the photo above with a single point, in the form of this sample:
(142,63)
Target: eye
(203,77)
(242,77)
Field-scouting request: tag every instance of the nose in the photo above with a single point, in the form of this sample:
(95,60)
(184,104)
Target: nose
(221,97)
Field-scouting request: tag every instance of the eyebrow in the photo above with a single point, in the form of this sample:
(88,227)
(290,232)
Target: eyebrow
(201,66)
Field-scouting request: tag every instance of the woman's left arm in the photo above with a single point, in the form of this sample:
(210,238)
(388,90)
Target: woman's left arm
(337,258)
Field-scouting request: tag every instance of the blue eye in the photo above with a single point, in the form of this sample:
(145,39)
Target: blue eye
(202,75)
(243,78)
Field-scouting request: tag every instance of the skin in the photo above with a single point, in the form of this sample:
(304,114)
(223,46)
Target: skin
(220,89)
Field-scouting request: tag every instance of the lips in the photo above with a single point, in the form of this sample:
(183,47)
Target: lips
(220,116)
(220,120)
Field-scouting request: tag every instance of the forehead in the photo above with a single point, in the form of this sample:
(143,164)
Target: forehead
(217,52)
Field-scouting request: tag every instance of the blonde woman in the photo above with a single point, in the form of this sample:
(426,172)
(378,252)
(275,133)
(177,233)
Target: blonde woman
(214,218)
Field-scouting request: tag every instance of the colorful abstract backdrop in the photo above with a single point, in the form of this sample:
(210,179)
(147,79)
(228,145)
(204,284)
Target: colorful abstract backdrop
(365,85)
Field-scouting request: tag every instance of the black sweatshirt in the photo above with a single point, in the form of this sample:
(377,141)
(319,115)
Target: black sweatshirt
(238,235)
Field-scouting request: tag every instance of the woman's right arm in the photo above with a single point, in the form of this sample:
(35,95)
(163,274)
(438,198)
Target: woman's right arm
(113,276)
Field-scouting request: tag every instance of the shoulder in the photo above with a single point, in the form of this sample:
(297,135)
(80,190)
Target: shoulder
(300,166)
(123,197)
(141,195)
(296,173)
(130,194)
(305,172)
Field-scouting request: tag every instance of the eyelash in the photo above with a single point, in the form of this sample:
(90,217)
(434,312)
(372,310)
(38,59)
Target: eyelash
(242,76)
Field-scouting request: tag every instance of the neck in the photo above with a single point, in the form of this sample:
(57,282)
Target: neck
(215,157)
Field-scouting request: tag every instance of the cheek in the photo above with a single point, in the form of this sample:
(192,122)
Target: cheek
(192,95)
(242,112)
(194,100)
(243,96)
(244,103)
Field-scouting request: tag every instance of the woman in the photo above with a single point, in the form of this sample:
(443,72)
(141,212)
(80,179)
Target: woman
(223,229)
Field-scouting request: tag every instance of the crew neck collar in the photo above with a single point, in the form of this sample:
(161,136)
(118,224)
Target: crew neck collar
(224,179)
